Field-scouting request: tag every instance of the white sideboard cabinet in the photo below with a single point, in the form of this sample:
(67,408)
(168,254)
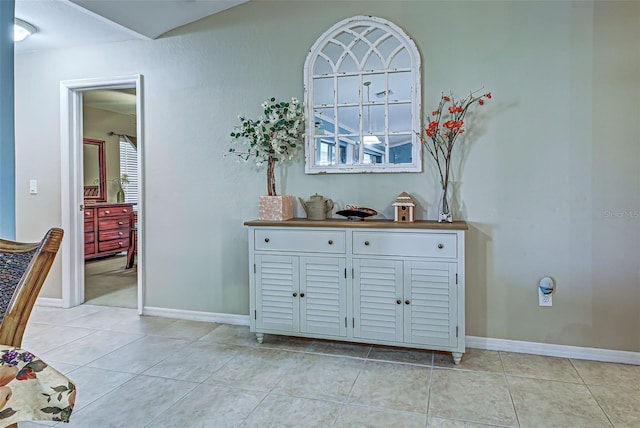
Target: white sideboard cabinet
(373,281)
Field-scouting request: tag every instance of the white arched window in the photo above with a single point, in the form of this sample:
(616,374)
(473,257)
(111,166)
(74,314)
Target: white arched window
(362,97)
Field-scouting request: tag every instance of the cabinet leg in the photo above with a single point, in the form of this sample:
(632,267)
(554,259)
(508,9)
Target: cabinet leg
(457,356)
(260,337)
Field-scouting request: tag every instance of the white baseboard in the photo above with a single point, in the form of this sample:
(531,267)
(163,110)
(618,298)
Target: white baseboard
(578,352)
(49,301)
(196,316)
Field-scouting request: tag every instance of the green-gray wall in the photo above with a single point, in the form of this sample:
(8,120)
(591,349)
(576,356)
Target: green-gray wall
(549,186)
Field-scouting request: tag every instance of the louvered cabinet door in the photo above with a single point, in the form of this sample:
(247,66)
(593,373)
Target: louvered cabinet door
(277,286)
(430,303)
(377,299)
(323,296)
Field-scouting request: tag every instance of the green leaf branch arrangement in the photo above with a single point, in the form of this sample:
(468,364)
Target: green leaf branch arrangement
(273,137)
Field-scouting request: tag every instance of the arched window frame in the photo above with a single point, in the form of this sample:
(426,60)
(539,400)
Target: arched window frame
(316,53)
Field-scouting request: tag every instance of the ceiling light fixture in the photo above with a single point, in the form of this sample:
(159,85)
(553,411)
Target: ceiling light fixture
(22,30)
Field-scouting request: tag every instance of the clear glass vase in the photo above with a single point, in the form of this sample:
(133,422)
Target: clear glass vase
(444,210)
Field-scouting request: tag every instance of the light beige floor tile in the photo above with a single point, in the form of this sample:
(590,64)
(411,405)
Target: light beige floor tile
(102,318)
(59,316)
(92,383)
(622,405)
(282,411)
(235,334)
(284,342)
(540,367)
(34,328)
(195,362)
(545,403)
(53,337)
(401,355)
(89,348)
(320,376)
(134,323)
(472,396)
(612,374)
(142,354)
(39,424)
(186,329)
(433,422)
(210,406)
(132,404)
(254,368)
(472,359)
(393,386)
(339,348)
(366,417)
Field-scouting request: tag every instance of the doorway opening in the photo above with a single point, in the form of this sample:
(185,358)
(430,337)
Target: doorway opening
(98,110)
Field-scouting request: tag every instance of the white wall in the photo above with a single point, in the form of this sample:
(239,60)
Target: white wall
(550,184)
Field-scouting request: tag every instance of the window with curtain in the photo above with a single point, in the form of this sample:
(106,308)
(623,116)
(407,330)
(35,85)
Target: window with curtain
(129,166)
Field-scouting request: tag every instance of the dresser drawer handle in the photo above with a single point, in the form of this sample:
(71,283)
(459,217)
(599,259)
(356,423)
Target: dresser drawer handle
(301,294)
(120,223)
(120,233)
(124,210)
(87,213)
(399,301)
(266,239)
(107,212)
(366,243)
(330,241)
(406,302)
(295,294)
(120,243)
(441,246)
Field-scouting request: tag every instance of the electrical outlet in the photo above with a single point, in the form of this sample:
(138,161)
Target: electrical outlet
(544,299)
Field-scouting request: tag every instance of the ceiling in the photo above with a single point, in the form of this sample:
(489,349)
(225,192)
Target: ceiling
(66,23)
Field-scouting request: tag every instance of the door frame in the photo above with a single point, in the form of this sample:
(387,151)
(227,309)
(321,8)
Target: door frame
(72,200)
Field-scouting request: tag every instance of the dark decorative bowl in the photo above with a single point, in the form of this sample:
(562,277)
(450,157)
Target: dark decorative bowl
(353,213)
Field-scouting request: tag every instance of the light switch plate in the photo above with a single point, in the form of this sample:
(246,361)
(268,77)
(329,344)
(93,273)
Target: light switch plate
(33,187)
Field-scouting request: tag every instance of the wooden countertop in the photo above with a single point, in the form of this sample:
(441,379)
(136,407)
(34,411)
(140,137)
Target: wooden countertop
(365,224)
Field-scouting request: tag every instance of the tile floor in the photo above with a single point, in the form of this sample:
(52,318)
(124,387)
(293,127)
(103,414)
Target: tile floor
(157,372)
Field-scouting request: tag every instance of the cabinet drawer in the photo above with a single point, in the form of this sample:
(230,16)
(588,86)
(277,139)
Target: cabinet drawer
(88,213)
(113,211)
(113,234)
(88,226)
(325,241)
(113,223)
(119,244)
(89,238)
(89,249)
(441,245)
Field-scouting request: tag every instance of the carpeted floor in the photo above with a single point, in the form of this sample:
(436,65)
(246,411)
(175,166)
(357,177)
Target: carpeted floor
(108,283)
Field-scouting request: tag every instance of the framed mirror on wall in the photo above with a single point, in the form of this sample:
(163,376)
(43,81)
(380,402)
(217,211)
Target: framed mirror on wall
(95,172)
(362,98)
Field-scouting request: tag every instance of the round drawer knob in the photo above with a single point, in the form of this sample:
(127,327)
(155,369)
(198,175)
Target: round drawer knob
(330,241)
(295,294)
(120,244)
(124,210)
(120,223)
(399,301)
(87,213)
(301,294)
(107,212)
(440,246)
(406,302)
(266,239)
(120,233)
(366,243)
